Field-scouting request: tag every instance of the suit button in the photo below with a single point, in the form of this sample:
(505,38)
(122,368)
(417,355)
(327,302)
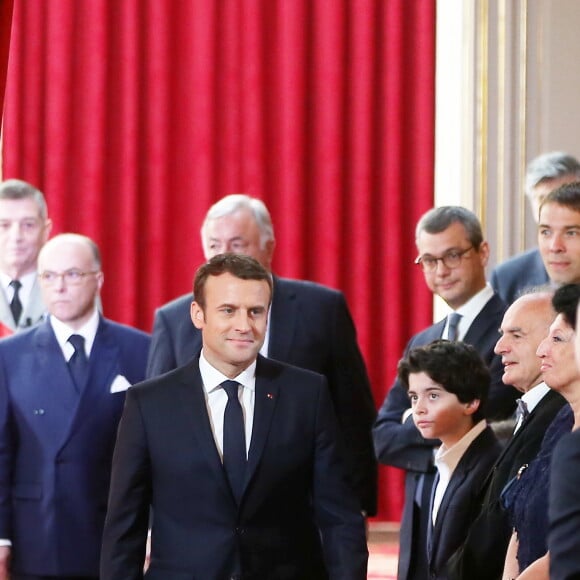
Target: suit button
(38,411)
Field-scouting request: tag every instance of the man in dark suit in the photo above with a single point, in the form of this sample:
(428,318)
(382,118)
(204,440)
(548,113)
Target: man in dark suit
(525,324)
(24,227)
(248,484)
(309,327)
(544,174)
(62,390)
(453,256)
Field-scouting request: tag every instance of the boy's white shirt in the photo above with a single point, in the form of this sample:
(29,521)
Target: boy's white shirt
(447,459)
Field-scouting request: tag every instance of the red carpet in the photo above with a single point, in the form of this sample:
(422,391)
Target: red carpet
(382,561)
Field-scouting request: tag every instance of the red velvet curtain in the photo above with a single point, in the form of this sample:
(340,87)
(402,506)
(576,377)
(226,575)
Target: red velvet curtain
(133,116)
(6,7)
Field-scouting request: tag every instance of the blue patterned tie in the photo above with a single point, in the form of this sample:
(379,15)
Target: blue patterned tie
(452,331)
(78,363)
(234,440)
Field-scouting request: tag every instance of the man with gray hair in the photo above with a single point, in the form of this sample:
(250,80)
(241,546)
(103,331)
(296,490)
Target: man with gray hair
(544,174)
(24,228)
(309,327)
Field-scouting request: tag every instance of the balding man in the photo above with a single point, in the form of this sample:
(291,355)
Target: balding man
(525,324)
(62,390)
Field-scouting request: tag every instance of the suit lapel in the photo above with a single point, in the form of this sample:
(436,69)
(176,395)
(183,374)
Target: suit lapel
(195,419)
(282,320)
(264,405)
(34,309)
(485,320)
(5,313)
(103,362)
(57,394)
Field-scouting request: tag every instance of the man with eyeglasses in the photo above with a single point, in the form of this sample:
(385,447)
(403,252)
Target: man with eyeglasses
(24,227)
(62,391)
(453,256)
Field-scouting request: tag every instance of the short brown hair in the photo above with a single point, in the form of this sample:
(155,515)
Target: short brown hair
(238,265)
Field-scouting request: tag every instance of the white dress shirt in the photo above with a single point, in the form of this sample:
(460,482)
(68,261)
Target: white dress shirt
(531,398)
(447,459)
(216,399)
(469,312)
(63,332)
(27,282)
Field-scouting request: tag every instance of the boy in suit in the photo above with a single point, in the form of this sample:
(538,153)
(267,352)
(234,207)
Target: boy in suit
(448,383)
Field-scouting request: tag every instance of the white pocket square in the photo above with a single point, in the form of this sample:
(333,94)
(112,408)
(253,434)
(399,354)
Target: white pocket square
(120,383)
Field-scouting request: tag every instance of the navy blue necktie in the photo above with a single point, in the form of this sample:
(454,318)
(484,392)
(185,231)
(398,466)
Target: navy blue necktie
(16,305)
(234,440)
(78,363)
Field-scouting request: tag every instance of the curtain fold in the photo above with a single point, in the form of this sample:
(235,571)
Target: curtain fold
(6,7)
(134,116)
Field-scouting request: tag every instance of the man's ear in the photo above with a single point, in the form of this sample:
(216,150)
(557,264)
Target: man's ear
(472,406)
(196,314)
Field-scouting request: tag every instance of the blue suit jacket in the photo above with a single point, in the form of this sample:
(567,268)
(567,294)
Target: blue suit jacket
(56,446)
(311,328)
(166,456)
(402,445)
(523,271)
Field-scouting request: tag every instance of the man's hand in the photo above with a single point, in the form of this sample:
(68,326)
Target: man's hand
(5,562)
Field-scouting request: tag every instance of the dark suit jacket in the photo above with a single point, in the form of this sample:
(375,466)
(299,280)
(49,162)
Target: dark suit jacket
(460,501)
(564,509)
(482,556)
(311,328)
(295,486)
(518,273)
(56,446)
(401,445)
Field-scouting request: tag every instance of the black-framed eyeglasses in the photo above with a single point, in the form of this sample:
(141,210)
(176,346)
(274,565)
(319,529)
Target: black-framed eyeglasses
(451,259)
(72,276)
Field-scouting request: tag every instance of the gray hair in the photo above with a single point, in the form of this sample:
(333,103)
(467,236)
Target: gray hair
(235,202)
(550,166)
(18,189)
(438,219)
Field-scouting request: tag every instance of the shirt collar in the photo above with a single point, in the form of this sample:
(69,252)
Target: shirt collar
(63,332)
(212,378)
(27,282)
(470,310)
(535,395)
(448,458)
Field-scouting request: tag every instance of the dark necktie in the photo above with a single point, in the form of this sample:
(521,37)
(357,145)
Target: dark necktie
(521,411)
(16,305)
(78,363)
(234,440)
(453,329)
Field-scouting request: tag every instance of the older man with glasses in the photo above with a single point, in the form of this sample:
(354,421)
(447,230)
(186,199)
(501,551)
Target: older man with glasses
(62,391)
(453,256)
